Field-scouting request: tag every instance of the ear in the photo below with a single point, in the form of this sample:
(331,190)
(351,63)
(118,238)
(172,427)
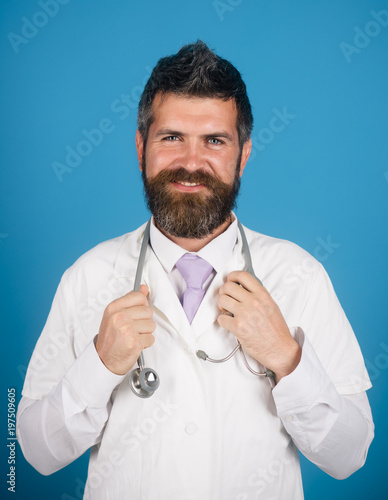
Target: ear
(139,147)
(246,151)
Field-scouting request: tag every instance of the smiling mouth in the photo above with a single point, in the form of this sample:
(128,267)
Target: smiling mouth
(188,187)
(189,183)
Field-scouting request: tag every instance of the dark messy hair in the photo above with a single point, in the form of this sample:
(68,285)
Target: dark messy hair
(196,71)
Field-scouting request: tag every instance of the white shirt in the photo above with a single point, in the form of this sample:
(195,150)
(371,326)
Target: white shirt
(210,431)
(216,253)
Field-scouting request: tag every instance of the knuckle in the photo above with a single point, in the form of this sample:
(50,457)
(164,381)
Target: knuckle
(239,275)
(109,309)
(130,327)
(241,325)
(117,319)
(132,343)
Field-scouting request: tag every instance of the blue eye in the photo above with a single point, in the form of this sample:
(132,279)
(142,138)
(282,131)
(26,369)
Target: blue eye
(215,141)
(170,138)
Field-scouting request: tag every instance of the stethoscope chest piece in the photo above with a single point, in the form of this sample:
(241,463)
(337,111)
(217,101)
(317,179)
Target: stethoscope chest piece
(143,382)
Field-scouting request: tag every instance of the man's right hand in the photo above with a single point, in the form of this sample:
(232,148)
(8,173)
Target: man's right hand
(126,329)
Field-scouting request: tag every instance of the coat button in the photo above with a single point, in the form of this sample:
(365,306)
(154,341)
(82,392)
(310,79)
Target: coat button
(190,429)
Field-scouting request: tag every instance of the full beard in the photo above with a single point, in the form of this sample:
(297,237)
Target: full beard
(190,215)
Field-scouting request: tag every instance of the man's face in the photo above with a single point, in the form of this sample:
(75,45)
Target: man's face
(192,164)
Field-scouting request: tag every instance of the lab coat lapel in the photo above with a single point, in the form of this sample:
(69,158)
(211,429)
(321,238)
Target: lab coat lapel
(208,311)
(162,295)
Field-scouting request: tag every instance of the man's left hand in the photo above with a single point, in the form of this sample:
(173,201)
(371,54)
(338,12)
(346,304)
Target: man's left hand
(257,323)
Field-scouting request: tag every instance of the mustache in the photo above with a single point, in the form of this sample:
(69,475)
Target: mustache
(182,175)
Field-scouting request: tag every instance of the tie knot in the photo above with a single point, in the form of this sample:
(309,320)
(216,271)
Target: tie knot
(194,270)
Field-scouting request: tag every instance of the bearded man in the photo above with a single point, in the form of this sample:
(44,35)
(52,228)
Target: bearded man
(209,431)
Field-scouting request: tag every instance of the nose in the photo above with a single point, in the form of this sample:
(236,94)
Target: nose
(192,158)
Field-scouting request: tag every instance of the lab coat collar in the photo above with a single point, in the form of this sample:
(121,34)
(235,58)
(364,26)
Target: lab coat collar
(162,294)
(128,255)
(208,311)
(217,252)
(163,298)
(166,250)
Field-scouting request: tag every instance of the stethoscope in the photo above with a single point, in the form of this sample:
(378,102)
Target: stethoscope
(144,381)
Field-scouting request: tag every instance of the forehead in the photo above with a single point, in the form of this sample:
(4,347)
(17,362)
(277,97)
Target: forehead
(172,111)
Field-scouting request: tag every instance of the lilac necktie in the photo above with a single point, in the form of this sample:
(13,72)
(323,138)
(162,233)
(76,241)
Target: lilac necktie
(195,272)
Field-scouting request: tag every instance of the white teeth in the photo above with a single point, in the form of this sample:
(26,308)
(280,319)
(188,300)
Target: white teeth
(189,183)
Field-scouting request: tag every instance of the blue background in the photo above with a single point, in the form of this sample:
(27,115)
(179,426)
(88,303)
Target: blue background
(325,175)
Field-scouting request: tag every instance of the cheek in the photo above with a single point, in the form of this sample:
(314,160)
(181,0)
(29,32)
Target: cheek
(224,167)
(158,160)
(154,164)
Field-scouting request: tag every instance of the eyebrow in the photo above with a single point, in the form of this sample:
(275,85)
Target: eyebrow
(168,131)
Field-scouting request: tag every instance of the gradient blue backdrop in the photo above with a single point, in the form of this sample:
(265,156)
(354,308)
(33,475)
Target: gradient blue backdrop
(324,176)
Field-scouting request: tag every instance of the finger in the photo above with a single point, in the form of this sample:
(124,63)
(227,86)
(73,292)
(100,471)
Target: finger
(125,317)
(139,312)
(244,279)
(133,332)
(228,304)
(144,290)
(145,326)
(233,290)
(227,322)
(146,340)
(128,300)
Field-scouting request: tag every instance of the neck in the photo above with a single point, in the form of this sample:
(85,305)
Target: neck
(194,245)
